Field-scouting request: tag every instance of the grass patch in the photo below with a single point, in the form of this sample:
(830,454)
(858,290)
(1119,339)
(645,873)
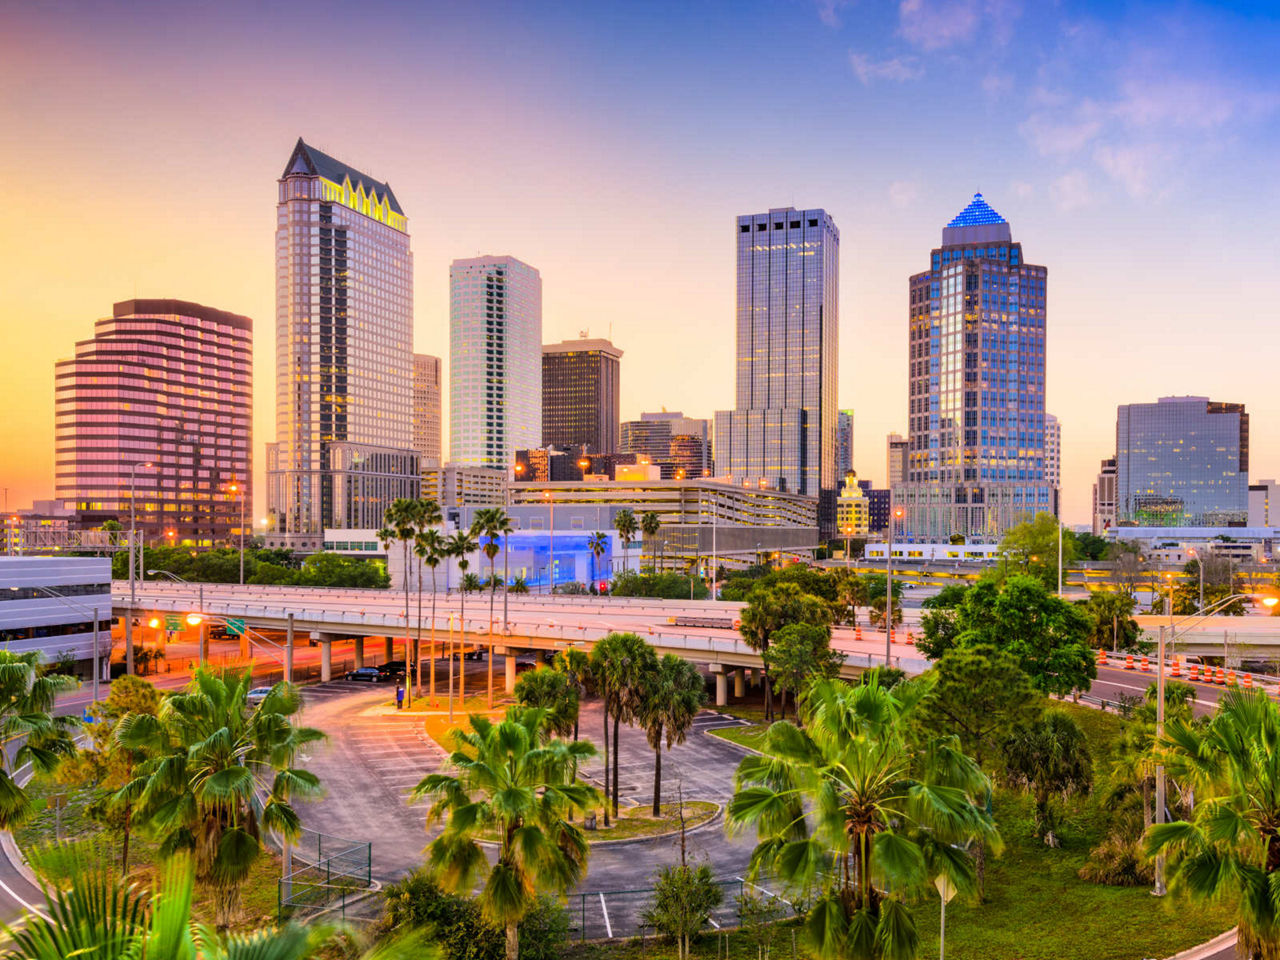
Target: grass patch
(63,818)
(751,737)
(640,822)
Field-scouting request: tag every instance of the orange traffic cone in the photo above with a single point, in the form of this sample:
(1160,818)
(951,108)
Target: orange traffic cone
(1231,678)
(1193,672)
(1102,658)
(1177,668)
(857,634)
(1146,665)
(1128,661)
(1247,681)
(1221,678)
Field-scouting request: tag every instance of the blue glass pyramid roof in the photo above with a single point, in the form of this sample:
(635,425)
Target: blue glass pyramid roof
(977,213)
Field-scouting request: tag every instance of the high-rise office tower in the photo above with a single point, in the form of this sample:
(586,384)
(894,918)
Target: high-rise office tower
(781,433)
(581,402)
(1052,450)
(896,460)
(976,375)
(1182,462)
(344,369)
(495,361)
(426,410)
(1104,498)
(653,434)
(170,384)
(844,443)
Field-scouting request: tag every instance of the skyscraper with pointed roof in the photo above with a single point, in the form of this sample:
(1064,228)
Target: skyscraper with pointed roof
(976,381)
(344,366)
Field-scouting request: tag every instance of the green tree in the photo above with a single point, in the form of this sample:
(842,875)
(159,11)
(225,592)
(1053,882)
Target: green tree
(1112,613)
(856,810)
(327,569)
(620,662)
(670,696)
(106,765)
(798,654)
(851,593)
(554,692)
(518,585)
(875,599)
(103,916)
(598,544)
(460,546)
(1032,547)
(768,610)
(29,731)
(1048,759)
(430,547)
(510,781)
(684,898)
(403,521)
(1048,636)
(940,625)
(650,524)
(207,756)
(1091,546)
(624,521)
(667,586)
(1230,847)
(576,666)
(982,697)
(493,524)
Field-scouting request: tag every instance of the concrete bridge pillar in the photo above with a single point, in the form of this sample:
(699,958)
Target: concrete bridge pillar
(509,675)
(740,682)
(722,690)
(755,678)
(326,658)
(359,652)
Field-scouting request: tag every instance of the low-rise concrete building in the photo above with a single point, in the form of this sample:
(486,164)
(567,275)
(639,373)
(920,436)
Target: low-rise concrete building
(59,606)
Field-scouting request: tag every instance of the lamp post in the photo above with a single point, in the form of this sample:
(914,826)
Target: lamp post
(715,559)
(133,535)
(200,602)
(238,488)
(1159,888)
(894,513)
(551,540)
(848,532)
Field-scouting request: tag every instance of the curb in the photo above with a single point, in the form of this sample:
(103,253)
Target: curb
(1208,948)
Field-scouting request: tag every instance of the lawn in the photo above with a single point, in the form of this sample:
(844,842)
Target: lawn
(1037,907)
(63,817)
(639,821)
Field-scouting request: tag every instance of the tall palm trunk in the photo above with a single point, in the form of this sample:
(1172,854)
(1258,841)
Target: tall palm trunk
(408,682)
(513,940)
(414,668)
(657,776)
(617,721)
(606,757)
(433,636)
(506,580)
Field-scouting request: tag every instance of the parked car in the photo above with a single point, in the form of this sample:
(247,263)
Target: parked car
(392,669)
(257,695)
(367,674)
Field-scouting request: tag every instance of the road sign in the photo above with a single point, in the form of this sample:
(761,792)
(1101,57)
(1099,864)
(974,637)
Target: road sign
(172,622)
(235,626)
(946,889)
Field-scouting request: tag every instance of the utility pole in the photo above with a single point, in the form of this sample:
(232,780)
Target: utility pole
(888,588)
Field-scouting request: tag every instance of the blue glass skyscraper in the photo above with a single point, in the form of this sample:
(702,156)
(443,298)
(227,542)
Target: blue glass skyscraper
(781,433)
(976,375)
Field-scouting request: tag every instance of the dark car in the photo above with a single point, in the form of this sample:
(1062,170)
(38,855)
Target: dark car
(367,674)
(391,669)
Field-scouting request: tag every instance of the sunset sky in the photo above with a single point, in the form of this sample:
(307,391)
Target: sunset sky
(1133,147)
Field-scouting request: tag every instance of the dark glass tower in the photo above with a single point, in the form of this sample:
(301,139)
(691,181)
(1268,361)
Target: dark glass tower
(976,375)
(781,433)
(581,404)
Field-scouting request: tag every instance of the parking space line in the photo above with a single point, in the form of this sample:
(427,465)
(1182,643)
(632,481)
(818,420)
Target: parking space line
(608,927)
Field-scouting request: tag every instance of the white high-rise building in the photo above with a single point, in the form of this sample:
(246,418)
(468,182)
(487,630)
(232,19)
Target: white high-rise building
(344,368)
(495,361)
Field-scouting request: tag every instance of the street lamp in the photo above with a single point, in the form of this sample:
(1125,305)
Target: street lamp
(133,535)
(894,514)
(1200,564)
(239,489)
(200,594)
(848,532)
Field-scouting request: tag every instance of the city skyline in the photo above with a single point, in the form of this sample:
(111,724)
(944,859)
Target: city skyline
(1093,165)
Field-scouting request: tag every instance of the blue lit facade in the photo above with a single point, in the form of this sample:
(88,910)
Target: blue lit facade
(1182,462)
(976,375)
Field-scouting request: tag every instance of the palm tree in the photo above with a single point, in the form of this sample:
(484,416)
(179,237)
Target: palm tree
(857,810)
(512,782)
(624,521)
(26,720)
(1230,848)
(621,662)
(851,593)
(553,691)
(459,546)
(401,522)
(649,526)
(1050,758)
(429,517)
(518,585)
(430,547)
(673,693)
(597,543)
(208,756)
(104,916)
(576,665)
(768,610)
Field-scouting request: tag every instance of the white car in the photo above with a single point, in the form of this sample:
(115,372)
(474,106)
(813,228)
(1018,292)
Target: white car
(257,695)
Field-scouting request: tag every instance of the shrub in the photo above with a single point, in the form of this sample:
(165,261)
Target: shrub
(1118,862)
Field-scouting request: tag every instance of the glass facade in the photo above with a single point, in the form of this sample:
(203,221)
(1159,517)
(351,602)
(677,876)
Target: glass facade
(581,399)
(165,382)
(495,361)
(781,433)
(426,409)
(344,332)
(976,459)
(844,443)
(1182,461)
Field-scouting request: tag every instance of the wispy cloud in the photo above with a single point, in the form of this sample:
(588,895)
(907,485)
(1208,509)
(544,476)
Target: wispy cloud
(829,11)
(939,24)
(895,68)
(1071,191)
(904,193)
